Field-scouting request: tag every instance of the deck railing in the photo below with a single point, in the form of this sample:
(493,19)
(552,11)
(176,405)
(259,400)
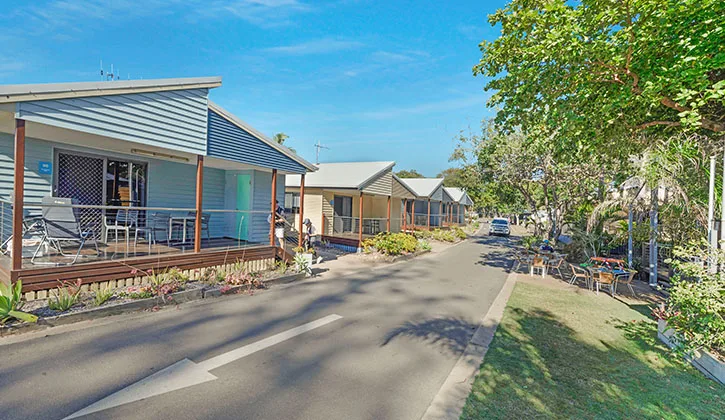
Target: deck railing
(53,232)
(342,225)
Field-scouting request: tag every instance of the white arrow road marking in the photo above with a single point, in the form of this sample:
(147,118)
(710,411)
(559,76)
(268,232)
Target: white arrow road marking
(186,373)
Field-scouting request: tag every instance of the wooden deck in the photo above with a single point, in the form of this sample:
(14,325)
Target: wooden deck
(115,262)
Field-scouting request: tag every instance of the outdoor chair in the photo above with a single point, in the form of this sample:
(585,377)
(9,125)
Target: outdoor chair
(204,223)
(124,221)
(579,273)
(60,224)
(538,263)
(157,223)
(556,264)
(605,278)
(626,279)
(519,260)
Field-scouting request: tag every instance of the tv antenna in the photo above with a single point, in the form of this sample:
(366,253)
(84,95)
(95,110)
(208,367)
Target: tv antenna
(318,146)
(112,75)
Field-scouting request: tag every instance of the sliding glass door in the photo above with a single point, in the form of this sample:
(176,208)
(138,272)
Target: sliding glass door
(95,180)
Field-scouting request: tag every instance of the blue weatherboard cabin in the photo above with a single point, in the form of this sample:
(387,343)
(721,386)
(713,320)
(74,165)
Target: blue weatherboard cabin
(143,173)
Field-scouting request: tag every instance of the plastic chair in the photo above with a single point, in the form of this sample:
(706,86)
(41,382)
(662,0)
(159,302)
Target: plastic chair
(124,221)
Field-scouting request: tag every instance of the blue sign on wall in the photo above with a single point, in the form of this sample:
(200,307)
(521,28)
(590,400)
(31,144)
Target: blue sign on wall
(45,168)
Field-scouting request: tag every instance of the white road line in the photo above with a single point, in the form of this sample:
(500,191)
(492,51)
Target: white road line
(186,373)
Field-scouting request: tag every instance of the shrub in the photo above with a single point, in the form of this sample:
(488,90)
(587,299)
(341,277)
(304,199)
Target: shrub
(11,302)
(459,233)
(140,292)
(530,241)
(444,235)
(66,295)
(424,246)
(302,264)
(695,308)
(391,243)
(102,296)
(423,234)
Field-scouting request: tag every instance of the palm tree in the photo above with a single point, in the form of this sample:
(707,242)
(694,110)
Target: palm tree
(280,138)
(659,174)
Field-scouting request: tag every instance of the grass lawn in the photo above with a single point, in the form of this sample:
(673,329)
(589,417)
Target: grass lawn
(559,354)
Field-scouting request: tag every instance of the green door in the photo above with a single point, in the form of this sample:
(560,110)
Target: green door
(244,194)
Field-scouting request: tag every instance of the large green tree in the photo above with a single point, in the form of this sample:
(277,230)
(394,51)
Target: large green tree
(513,165)
(598,71)
(412,173)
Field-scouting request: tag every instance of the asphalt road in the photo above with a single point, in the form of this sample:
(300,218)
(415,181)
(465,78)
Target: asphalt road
(403,328)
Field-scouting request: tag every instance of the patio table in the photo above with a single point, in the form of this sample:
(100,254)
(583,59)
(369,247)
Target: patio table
(182,221)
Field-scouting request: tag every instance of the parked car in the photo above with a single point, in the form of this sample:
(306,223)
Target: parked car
(499,226)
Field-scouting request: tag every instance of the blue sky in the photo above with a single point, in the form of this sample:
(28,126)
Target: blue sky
(372,80)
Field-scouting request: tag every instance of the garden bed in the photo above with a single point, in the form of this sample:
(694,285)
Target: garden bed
(379,257)
(121,302)
(709,364)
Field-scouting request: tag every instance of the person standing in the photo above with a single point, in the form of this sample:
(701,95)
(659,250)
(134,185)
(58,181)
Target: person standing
(307,233)
(279,223)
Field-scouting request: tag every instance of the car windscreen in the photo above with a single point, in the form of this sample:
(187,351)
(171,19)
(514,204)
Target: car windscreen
(500,222)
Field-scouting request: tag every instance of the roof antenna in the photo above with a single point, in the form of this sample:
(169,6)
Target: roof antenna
(101,70)
(318,146)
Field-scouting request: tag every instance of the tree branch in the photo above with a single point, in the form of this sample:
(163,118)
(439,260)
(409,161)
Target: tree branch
(654,123)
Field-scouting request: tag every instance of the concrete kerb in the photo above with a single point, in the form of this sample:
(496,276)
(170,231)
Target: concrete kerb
(451,397)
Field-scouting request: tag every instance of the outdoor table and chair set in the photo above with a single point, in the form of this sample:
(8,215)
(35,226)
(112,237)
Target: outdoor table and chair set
(596,272)
(60,223)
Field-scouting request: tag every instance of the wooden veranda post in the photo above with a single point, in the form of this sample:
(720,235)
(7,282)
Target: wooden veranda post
(273,207)
(360,217)
(388,224)
(412,215)
(302,209)
(429,214)
(404,215)
(440,214)
(199,194)
(18,193)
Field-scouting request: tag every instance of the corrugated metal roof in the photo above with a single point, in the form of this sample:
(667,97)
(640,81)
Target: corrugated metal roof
(34,92)
(455,193)
(459,195)
(423,187)
(341,175)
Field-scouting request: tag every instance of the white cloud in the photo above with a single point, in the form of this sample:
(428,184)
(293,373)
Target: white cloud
(67,15)
(320,46)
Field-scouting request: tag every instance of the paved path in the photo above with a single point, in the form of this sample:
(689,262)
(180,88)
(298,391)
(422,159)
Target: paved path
(402,329)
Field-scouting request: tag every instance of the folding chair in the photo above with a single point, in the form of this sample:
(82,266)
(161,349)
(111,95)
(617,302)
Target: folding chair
(60,225)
